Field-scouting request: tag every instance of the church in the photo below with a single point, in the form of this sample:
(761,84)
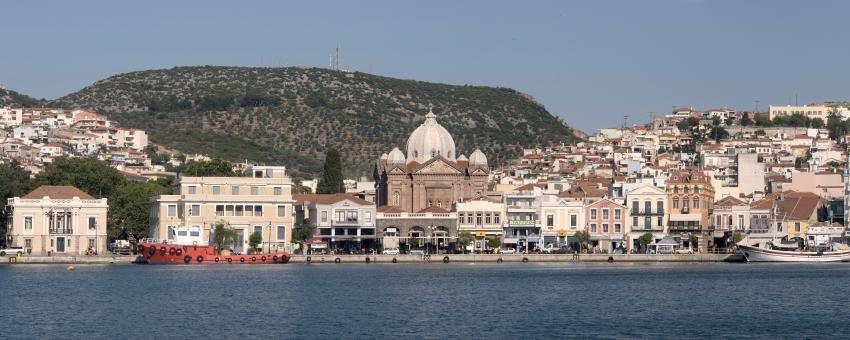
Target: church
(431,174)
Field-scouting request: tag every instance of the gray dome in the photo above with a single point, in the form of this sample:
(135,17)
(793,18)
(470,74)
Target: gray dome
(477,158)
(396,157)
(430,139)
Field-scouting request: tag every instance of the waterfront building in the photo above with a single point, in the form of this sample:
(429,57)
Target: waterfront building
(647,213)
(260,201)
(606,224)
(561,219)
(431,174)
(482,218)
(691,198)
(796,211)
(344,222)
(58,220)
(433,229)
(522,222)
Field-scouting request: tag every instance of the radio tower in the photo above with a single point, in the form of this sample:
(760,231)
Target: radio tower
(336,65)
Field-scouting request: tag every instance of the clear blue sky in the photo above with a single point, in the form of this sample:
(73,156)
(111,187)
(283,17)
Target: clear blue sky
(590,62)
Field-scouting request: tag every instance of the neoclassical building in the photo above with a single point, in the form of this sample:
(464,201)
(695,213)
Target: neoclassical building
(431,174)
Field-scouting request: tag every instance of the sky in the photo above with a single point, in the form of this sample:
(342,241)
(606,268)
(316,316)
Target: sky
(590,62)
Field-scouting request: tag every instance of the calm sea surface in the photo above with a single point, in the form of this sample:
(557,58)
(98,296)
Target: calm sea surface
(470,301)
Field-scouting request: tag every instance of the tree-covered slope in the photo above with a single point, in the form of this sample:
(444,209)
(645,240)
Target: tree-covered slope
(15,99)
(292,115)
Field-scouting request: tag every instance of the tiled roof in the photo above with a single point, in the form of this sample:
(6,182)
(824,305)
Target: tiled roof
(329,198)
(434,209)
(389,209)
(58,192)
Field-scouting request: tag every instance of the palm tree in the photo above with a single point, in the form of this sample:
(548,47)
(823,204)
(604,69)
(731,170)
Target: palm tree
(224,235)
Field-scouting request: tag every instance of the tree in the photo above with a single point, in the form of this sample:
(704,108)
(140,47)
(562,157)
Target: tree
(129,208)
(763,119)
(692,241)
(646,239)
(837,126)
(302,234)
(14,182)
(222,236)
(746,121)
(760,133)
(331,181)
(737,237)
(816,123)
(254,240)
(494,243)
(413,242)
(717,133)
(211,168)
(87,174)
(463,240)
(583,239)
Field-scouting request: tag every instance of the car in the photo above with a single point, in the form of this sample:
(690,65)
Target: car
(12,251)
(548,249)
(417,252)
(390,251)
(684,251)
(507,251)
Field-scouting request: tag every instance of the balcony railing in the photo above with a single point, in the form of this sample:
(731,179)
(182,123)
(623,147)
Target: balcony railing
(347,221)
(647,213)
(522,223)
(61,231)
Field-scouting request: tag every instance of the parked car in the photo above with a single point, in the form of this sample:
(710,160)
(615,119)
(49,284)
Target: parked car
(417,252)
(549,249)
(507,251)
(390,251)
(12,251)
(684,251)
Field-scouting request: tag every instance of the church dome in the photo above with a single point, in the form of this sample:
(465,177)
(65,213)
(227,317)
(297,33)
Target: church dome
(477,158)
(395,157)
(430,139)
(462,158)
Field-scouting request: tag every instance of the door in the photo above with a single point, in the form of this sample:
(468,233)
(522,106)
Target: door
(60,244)
(239,241)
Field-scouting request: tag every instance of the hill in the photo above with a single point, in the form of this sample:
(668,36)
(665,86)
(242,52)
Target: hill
(15,99)
(292,115)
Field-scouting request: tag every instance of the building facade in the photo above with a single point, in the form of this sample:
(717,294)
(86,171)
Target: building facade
(259,202)
(344,222)
(606,224)
(691,200)
(648,213)
(58,219)
(483,219)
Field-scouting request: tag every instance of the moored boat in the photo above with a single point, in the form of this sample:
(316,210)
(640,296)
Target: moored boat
(756,254)
(187,250)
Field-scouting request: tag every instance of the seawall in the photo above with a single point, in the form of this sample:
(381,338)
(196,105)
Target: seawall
(493,258)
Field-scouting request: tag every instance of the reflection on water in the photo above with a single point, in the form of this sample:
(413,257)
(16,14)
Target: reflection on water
(425,301)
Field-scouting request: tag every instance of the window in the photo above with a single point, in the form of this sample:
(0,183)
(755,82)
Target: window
(255,191)
(339,216)
(281,210)
(634,221)
(351,216)
(797,226)
(696,190)
(550,220)
(478,218)
(278,191)
(239,210)
(219,210)
(617,227)
(195,210)
(497,218)
(28,243)
(660,221)
(234,190)
(635,205)
(605,227)
(647,222)
(685,204)
(172,210)
(675,190)
(593,227)
(367,216)
(605,214)
(92,223)
(660,207)
(193,190)
(488,218)
(258,210)
(675,203)
(91,243)
(28,223)
(647,206)
(258,229)
(324,216)
(573,221)
(686,190)
(216,190)
(281,233)
(592,214)
(617,214)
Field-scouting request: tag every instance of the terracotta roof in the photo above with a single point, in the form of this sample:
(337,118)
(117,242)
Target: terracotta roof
(329,198)
(389,209)
(59,192)
(531,186)
(798,205)
(729,201)
(434,209)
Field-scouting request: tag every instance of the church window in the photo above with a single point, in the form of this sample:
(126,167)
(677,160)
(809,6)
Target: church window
(433,153)
(440,204)
(396,199)
(430,203)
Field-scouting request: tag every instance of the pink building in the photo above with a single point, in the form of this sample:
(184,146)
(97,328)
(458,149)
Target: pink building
(606,223)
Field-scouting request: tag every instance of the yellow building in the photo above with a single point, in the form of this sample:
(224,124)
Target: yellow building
(260,202)
(561,218)
(796,212)
(58,219)
(483,219)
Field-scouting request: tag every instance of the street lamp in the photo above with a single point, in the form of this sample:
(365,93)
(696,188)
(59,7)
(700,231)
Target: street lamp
(269,237)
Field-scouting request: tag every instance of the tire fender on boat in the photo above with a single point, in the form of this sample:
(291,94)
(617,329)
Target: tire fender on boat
(274,258)
(446,259)
(187,259)
(263,259)
(253,259)
(229,260)
(162,251)
(309,259)
(395,260)
(337,260)
(242,259)
(216,260)
(499,260)
(524,260)
(172,251)
(178,252)
(368,259)
(200,259)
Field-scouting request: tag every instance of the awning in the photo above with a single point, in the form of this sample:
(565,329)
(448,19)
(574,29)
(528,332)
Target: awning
(686,217)
(392,230)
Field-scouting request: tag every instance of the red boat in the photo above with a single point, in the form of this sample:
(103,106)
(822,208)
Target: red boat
(159,253)
(184,246)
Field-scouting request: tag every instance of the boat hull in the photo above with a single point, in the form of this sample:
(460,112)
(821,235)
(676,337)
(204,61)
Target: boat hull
(156,253)
(754,254)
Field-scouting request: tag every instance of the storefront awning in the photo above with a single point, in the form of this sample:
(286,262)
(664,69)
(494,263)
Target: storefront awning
(686,217)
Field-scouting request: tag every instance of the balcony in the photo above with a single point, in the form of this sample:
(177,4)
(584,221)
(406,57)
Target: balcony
(61,231)
(347,221)
(523,223)
(647,213)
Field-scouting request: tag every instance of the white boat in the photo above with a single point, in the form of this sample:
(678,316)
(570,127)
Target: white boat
(756,254)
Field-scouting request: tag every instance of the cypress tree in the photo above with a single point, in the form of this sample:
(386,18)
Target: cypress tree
(331,181)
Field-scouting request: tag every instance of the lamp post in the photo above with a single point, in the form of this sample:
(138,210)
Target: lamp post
(269,236)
